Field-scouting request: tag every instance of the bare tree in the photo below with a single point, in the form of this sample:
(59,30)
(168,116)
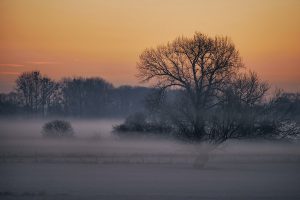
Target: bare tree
(35,91)
(249,89)
(47,89)
(201,66)
(27,87)
(85,96)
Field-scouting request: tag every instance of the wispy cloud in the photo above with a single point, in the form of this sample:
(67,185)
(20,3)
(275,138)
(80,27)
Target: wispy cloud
(10,65)
(42,62)
(9,73)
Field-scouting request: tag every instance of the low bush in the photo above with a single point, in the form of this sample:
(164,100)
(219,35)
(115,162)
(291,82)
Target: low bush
(58,129)
(139,124)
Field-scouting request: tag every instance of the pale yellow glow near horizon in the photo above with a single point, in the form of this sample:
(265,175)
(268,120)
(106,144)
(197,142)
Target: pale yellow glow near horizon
(104,38)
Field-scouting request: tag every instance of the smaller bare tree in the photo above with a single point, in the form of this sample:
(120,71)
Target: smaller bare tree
(35,91)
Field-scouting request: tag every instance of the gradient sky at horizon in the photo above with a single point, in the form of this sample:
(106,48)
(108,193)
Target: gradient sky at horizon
(104,38)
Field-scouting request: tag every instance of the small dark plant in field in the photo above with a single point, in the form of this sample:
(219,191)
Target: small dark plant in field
(135,123)
(140,124)
(58,129)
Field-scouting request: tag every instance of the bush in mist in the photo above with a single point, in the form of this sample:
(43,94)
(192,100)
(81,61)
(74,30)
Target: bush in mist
(57,129)
(140,123)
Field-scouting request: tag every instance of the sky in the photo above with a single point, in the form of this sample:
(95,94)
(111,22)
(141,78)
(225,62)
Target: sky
(104,38)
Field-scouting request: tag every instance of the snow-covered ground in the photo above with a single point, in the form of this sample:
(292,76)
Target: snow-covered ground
(98,165)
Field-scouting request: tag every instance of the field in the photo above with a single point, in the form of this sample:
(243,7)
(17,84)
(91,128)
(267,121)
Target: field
(98,165)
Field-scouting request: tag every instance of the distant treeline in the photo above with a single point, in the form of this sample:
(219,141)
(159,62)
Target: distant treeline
(37,95)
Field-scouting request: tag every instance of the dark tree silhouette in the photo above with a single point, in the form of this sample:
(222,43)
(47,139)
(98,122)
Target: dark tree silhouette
(85,96)
(127,100)
(201,66)
(35,91)
(47,91)
(212,90)
(77,97)
(9,104)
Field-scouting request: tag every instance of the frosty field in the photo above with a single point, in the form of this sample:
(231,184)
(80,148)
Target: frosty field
(98,165)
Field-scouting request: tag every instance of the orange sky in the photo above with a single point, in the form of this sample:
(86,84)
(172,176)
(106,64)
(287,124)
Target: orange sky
(104,38)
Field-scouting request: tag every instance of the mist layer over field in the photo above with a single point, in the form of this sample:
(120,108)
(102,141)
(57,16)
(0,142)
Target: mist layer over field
(97,164)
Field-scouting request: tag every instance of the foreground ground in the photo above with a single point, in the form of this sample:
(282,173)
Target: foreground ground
(150,181)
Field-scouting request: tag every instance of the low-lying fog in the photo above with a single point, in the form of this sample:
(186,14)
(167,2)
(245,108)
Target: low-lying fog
(91,137)
(95,137)
(97,164)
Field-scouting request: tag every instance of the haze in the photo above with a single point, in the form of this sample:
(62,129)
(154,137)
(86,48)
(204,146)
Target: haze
(97,165)
(104,38)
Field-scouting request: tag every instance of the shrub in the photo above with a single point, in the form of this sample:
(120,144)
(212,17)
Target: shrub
(288,130)
(139,123)
(57,129)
